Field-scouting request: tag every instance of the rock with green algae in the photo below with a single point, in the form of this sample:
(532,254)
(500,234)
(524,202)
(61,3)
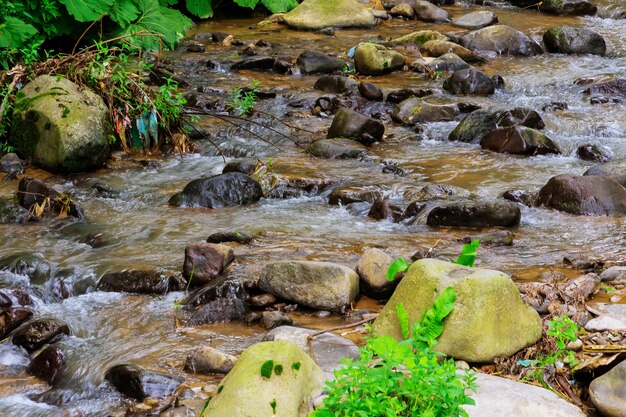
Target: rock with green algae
(489,317)
(269,379)
(375,59)
(418,38)
(61,127)
(320,14)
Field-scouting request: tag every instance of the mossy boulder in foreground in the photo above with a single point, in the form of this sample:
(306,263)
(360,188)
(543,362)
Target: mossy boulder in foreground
(320,14)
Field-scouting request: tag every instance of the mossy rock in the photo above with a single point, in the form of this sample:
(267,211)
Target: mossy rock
(61,127)
(320,14)
(489,317)
(375,59)
(290,382)
(419,38)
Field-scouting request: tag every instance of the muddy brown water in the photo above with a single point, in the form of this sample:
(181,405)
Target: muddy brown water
(143,231)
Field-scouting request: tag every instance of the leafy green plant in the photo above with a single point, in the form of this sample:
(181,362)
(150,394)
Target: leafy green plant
(402,379)
(396,267)
(468,254)
(243,101)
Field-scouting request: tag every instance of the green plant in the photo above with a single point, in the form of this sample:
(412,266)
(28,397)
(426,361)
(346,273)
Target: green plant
(607,288)
(468,254)
(243,101)
(396,267)
(402,379)
(6,148)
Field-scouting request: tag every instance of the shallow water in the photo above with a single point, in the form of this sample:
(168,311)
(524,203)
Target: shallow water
(112,328)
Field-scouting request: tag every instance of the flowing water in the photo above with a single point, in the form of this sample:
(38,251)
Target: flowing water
(110,328)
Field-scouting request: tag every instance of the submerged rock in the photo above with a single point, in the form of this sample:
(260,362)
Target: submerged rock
(571,40)
(501,39)
(48,365)
(352,125)
(237,237)
(497,238)
(138,383)
(475,214)
(33,193)
(607,391)
(595,153)
(206,261)
(224,190)
(519,140)
(11,212)
(348,194)
(319,285)
(39,332)
(320,14)
(258,63)
(338,148)
(208,360)
(470,82)
(489,317)
(375,59)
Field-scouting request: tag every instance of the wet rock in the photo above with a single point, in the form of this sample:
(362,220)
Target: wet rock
(448,62)
(398,96)
(208,360)
(614,273)
(12,165)
(319,285)
(349,194)
(403,10)
(283,66)
(327,349)
(35,266)
(321,14)
(137,281)
(37,333)
(382,210)
(206,261)
(469,82)
(224,190)
(593,195)
(376,59)
(615,88)
(555,106)
(497,238)
(195,47)
(11,319)
(568,7)
(437,48)
(372,269)
(498,82)
(31,192)
(519,140)
(336,84)
(607,391)
(64,128)
(273,319)
(616,170)
(11,212)
(337,149)
(350,124)
(475,214)
(433,192)
(571,40)
(237,237)
(489,318)
(428,12)
(312,62)
(326,31)
(48,365)
(257,63)
(476,20)
(418,38)
(498,396)
(138,383)
(5,300)
(416,110)
(501,39)
(263,300)
(476,125)
(595,153)
(370,91)
(292,384)
(224,302)
(245,166)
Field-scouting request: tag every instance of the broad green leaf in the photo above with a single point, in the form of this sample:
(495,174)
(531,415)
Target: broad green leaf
(279,6)
(430,325)
(201,8)
(15,32)
(403,317)
(397,266)
(124,12)
(247,3)
(468,254)
(87,10)
(156,26)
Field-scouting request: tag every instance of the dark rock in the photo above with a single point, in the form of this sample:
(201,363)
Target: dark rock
(593,195)
(468,107)
(31,191)
(273,319)
(337,149)
(476,125)
(415,110)
(237,237)
(12,213)
(224,190)
(37,333)
(570,40)
(498,238)
(149,281)
(350,124)
(555,106)
(613,88)
(245,166)
(193,46)
(336,84)
(206,261)
(312,62)
(219,36)
(251,318)
(519,140)
(568,7)
(469,81)
(521,197)
(352,194)
(370,91)
(595,153)
(398,96)
(413,209)
(220,310)
(390,4)
(35,266)
(258,63)
(503,40)
(282,66)
(48,365)
(605,100)
(12,165)
(476,20)
(498,82)
(475,215)
(329,103)
(138,383)
(5,300)
(11,319)
(382,210)
(428,12)
(263,300)
(615,170)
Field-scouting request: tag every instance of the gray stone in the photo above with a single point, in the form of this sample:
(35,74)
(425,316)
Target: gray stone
(476,20)
(312,62)
(12,165)
(403,10)
(272,319)
(476,125)
(11,212)
(223,190)
(428,12)
(608,392)
(352,125)
(415,110)
(501,39)
(448,63)
(372,269)
(614,273)
(336,84)
(571,40)
(339,148)
(320,14)
(206,261)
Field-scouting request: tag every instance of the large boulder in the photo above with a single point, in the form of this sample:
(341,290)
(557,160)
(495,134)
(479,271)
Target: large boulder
(489,317)
(519,140)
(60,126)
(138,383)
(475,214)
(415,110)
(352,125)
(476,125)
(501,39)
(375,59)
(311,62)
(372,269)
(594,195)
(320,14)
(319,285)
(428,12)
(498,396)
(223,190)
(206,261)
(270,378)
(470,82)
(571,40)
(476,20)
(615,170)
(608,392)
